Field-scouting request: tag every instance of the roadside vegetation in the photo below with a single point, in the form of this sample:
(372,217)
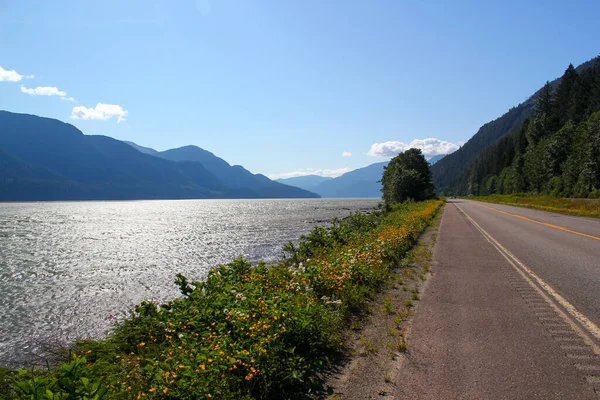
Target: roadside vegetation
(406,177)
(580,207)
(380,343)
(245,332)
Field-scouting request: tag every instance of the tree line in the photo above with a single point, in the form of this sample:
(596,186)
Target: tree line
(555,152)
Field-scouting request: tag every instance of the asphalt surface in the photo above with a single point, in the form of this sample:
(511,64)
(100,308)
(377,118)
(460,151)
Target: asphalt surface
(511,309)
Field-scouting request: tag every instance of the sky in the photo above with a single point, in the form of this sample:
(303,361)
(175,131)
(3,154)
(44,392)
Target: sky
(287,87)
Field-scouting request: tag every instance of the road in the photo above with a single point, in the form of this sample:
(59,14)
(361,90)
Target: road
(512,310)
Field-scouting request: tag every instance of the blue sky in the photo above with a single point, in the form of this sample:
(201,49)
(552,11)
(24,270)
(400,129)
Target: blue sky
(286,87)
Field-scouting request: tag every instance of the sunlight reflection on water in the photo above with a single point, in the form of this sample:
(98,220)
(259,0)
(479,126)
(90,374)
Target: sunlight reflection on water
(70,270)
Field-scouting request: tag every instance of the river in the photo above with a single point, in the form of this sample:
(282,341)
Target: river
(70,270)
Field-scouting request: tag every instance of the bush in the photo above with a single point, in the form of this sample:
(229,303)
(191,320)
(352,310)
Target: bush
(245,331)
(406,176)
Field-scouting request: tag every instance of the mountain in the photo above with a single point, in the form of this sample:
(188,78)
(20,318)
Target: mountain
(556,152)
(447,171)
(46,159)
(448,168)
(435,159)
(362,182)
(235,176)
(145,150)
(307,182)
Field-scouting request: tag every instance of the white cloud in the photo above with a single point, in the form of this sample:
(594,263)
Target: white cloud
(346,154)
(101,111)
(67,99)
(430,147)
(331,173)
(12,76)
(43,91)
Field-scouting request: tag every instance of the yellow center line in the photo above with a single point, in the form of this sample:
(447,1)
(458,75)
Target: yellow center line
(584,329)
(562,228)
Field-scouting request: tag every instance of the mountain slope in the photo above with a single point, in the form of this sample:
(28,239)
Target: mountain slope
(450,168)
(307,182)
(362,182)
(96,167)
(435,159)
(236,176)
(142,149)
(46,159)
(555,153)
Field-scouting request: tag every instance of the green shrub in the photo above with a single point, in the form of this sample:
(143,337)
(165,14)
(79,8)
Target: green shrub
(245,331)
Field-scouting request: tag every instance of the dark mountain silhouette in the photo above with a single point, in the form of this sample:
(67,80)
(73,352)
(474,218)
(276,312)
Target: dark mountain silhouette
(46,159)
(362,182)
(307,182)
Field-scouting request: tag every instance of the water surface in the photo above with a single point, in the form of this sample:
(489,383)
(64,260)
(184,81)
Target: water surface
(69,270)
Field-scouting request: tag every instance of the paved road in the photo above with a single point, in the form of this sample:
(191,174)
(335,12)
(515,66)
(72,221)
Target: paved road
(512,311)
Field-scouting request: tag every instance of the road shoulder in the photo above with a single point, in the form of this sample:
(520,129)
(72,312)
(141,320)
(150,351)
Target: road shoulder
(478,332)
(377,347)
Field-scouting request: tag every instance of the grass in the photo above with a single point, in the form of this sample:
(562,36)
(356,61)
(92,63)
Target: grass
(400,317)
(580,207)
(415,294)
(388,308)
(402,345)
(245,332)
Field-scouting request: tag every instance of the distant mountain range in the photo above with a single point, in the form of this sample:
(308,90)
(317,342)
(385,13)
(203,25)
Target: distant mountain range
(142,149)
(435,159)
(362,182)
(304,182)
(46,159)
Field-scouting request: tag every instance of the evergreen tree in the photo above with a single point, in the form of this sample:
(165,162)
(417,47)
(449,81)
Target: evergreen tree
(594,156)
(559,148)
(562,100)
(595,89)
(557,152)
(580,97)
(518,182)
(537,130)
(522,138)
(543,105)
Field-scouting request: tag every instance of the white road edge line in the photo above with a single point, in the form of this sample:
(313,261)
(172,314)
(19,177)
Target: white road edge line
(530,276)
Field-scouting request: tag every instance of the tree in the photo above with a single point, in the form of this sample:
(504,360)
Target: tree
(407,176)
(562,99)
(595,89)
(543,104)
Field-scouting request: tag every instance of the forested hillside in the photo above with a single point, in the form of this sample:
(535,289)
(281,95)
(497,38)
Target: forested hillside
(555,152)
(451,174)
(447,169)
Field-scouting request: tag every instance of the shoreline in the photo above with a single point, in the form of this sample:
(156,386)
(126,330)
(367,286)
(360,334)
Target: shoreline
(44,346)
(327,290)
